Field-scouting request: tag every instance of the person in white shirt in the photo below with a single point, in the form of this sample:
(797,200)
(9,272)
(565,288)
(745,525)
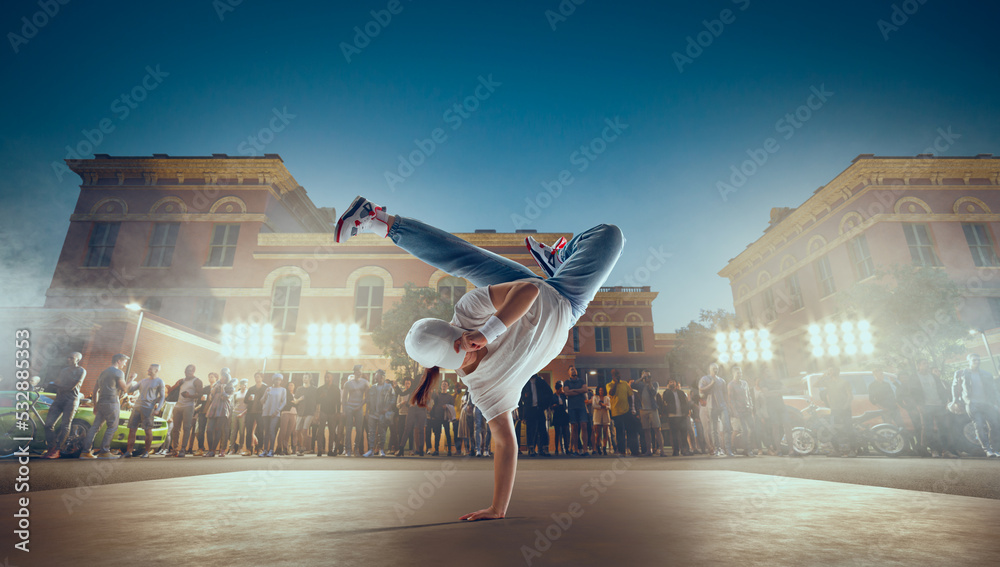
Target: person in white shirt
(508,328)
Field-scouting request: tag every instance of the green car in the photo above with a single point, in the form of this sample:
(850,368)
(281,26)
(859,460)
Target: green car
(33,407)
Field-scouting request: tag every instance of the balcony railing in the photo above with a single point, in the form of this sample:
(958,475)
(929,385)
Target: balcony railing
(623,289)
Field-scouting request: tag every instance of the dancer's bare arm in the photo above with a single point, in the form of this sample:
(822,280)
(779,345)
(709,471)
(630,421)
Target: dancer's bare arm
(511,300)
(504,467)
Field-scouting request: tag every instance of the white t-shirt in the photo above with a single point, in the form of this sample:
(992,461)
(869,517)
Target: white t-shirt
(524,349)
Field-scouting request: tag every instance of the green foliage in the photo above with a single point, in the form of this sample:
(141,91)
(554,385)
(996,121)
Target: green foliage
(913,312)
(695,348)
(416,303)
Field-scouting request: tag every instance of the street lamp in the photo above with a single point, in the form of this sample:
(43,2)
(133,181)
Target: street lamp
(752,345)
(848,338)
(135,340)
(987,343)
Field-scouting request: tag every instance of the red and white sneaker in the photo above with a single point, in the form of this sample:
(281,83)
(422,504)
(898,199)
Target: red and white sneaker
(362,216)
(548,258)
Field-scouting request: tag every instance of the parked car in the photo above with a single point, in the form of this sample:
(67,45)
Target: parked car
(36,412)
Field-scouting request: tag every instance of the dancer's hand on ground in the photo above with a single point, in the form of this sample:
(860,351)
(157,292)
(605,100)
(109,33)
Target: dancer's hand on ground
(470,341)
(485,514)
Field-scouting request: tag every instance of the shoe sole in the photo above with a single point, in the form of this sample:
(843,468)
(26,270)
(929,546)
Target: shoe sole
(354,206)
(540,261)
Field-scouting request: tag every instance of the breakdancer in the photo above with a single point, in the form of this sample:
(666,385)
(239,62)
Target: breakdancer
(508,328)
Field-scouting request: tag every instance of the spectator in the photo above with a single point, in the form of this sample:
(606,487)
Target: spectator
(620,392)
(536,396)
(699,420)
(741,403)
(354,394)
(272,401)
(974,388)
(402,415)
(439,416)
(649,414)
(676,403)
(602,420)
(305,408)
(152,396)
(328,397)
(218,412)
(778,421)
(416,421)
(588,428)
(480,433)
(237,429)
(576,390)
(201,418)
(381,400)
(189,391)
(254,427)
(286,425)
(839,397)
(560,419)
(883,395)
(930,395)
(719,426)
(64,407)
(107,398)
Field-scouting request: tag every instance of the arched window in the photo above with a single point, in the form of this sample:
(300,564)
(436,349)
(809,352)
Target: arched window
(451,289)
(285,303)
(368,302)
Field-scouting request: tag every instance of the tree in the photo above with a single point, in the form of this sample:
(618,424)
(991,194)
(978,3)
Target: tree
(416,303)
(913,313)
(695,348)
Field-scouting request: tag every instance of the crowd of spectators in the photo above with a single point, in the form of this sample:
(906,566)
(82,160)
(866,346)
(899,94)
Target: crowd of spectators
(355,416)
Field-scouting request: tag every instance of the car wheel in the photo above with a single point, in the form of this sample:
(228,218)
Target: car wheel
(74,440)
(888,440)
(804,442)
(969,441)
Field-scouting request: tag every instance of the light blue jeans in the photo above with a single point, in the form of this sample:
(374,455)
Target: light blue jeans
(589,259)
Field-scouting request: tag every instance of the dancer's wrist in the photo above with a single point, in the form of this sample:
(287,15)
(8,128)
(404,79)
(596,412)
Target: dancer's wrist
(492,329)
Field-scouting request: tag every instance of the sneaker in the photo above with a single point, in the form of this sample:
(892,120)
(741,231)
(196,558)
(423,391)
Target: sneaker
(87,455)
(347,453)
(208,454)
(362,216)
(144,455)
(181,454)
(548,258)
(369,453)
(381,453)
(107,455)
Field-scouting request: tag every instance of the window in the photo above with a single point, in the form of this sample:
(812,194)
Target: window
(770,311)
(748,307)
(223,247)
(285,304)
(208,315)
(161,244)
(451,289)
(102,243)
(635,339)
(981,245)
(602,339)
(995,310)
(368,302)
(794,292)
(825,276)
(921,247)
(152,304)
(576,339)
(861,257)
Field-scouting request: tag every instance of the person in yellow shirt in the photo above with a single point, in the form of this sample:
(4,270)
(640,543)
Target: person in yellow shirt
(620,392)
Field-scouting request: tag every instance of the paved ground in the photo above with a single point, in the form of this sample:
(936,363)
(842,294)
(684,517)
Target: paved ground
(966,477)
(614,514)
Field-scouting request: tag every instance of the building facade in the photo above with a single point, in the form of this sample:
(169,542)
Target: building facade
(880,211)
(235,266)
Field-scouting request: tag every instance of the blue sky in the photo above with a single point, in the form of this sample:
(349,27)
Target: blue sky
(681,123)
